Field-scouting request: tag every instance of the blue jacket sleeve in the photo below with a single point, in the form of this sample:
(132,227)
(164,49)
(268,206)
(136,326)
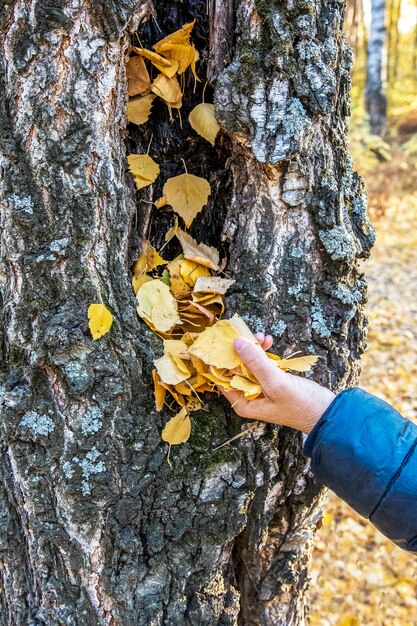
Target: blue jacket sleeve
(367,453)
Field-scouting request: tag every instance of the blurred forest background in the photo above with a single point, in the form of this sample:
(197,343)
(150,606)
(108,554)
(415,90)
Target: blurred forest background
(358,577)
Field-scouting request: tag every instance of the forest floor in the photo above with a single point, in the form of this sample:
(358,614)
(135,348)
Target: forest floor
(358,577)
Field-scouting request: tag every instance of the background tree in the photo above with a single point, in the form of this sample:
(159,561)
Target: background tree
(375,96)
(96,527)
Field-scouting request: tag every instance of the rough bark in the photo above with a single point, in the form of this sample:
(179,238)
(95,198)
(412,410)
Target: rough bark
(375,97)
(95,526)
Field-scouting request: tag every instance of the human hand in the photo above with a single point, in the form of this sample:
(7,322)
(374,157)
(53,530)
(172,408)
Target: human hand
(289,400)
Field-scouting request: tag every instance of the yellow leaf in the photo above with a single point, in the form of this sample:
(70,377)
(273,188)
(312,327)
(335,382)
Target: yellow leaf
(157,305)
(212,284)
(167,88)
(159,391)
(181,36)
(214,346)
(138,281)
(179,287)
(139,108)
(184,54)
(100,320)
(148,260)
(187,194)
(203,121)
(137,76)
(242,328)
(161,202)
(198,252)
(191,271)
(168,370)
(249,388)
(166,66)
(172,231)
(143,168)
(177,430)
(298,364)
(176,347)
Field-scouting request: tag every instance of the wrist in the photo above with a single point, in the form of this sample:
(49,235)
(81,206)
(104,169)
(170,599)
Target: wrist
(317,409)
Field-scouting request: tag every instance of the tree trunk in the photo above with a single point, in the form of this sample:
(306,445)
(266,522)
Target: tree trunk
(375,97)
(96,527)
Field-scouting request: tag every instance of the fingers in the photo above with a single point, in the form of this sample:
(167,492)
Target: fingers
(255,359)
(265,341)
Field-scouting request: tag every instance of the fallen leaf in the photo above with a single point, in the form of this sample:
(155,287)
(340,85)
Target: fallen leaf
(161,202)
(181,36)
(177,430)
(138,281)
(139,109)
(137,77)
(191,271)
(172,231)
(167,88)
(184,54)
(100,320)
(179,287)
(176,347)
(198,252)
(187,194)
(213,284)
(203,121)
(148,260)
(143,168)
(159,391)
(157,305)
(167,66)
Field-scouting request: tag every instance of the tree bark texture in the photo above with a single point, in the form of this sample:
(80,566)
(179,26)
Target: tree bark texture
(375,96)
(96,529)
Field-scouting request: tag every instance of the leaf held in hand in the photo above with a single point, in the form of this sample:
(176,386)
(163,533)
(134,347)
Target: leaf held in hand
(143,168)
(139,108)
(100,320)
(214,346)
(187,194)
(203,121)
(298,363)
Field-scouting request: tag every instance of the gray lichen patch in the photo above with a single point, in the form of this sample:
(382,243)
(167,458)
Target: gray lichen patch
(91,421)
(89,465)
(37,424)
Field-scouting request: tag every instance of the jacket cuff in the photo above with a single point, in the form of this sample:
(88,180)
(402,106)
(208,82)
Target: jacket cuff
(358,449)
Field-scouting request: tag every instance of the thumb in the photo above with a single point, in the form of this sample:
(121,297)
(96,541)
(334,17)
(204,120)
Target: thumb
(255,359)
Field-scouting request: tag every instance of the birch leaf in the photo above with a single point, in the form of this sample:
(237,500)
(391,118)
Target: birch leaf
(167,66)
(172,231)
(249,388)
(137,76)
(298,363)
(167,88)
(138,281)
(100,320)
(187,194)
(158,305)
(181,36)
(148,260)
(177,430)
(242,328)
(214,346)
(203,121)
(139,108)
(191,271)
(198,252)
(144,169)
(159,391)
(212,284)
(168,370)
(184,54)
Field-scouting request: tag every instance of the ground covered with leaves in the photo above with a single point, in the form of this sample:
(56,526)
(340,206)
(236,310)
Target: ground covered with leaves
(359,577)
